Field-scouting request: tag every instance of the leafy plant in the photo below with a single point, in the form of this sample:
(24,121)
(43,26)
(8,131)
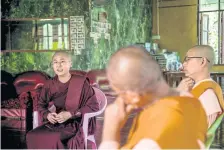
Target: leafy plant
(131,22)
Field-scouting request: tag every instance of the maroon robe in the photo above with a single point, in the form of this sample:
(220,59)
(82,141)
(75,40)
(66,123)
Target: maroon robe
(74,96)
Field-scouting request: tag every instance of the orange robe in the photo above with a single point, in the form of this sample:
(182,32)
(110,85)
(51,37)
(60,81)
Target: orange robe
(172,122)
(203,86)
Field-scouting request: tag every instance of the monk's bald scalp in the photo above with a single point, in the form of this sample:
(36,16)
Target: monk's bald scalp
(133,69)
(66,54)
(205,51)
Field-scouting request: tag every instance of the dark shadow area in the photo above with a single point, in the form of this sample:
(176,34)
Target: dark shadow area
(7,86)
(12,139)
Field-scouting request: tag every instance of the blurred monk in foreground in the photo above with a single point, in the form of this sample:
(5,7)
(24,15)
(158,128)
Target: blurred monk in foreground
(166,120)
(197,66)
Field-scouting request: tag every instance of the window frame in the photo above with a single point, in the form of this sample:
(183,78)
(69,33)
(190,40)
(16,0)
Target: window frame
(222,37)
(220,30)
(36,34)
(202,31)
(63,36)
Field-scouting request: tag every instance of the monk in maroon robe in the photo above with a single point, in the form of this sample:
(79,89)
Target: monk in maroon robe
(72,97)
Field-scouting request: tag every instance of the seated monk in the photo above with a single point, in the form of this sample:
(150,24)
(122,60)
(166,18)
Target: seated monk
(197,65)
(164,119)
(72,97)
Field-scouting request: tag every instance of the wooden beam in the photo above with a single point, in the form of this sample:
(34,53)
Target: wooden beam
(28,19)
(15,51)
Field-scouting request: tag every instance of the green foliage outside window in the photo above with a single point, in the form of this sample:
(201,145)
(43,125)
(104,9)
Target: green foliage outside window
(131,22)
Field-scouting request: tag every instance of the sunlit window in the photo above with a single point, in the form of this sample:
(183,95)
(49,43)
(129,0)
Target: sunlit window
(211,25)
(36,34)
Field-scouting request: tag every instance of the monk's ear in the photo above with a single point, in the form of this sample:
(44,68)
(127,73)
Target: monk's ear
(203,62)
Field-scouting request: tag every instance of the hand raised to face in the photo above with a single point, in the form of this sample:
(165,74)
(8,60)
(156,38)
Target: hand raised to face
(186,85)
(115,117)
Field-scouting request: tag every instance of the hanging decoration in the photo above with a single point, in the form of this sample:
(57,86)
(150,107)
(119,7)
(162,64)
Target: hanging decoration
(100,29)
(77,34)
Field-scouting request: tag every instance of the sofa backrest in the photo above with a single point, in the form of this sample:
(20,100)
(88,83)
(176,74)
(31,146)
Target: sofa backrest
(28,81)
(78,72)
(99,77)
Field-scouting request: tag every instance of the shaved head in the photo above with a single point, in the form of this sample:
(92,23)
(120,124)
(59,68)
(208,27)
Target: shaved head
(133,69)
(205,51)
(61,53)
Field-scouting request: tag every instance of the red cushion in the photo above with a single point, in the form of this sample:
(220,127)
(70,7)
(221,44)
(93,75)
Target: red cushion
(78,72)
(29,81)
(13,119)
(95,75)
(99,77)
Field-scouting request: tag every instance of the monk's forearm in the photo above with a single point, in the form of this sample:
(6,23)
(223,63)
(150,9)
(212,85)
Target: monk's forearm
(75,114)
(80,112)
(88,109)
(110,132)
(109,145)
(43,109)
(111,135)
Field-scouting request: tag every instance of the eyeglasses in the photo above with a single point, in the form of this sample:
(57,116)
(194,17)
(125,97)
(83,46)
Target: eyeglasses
(186,59)
(55,63)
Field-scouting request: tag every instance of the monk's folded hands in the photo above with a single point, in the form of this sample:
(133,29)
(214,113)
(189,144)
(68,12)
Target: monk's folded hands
(63,116)
(51,117)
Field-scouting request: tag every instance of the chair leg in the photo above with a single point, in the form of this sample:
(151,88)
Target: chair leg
(86,144)
(92,139)
(94,145)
